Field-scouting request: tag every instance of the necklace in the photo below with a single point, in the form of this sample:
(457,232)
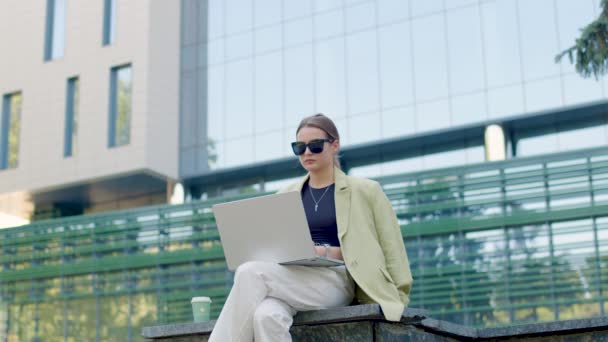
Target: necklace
(320,198)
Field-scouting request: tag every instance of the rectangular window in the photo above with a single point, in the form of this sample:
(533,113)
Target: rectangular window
(71,117)
(120,106)
(54,41)
(10,128)
(109,21)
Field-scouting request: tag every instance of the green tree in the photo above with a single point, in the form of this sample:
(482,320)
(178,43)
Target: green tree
(591,48)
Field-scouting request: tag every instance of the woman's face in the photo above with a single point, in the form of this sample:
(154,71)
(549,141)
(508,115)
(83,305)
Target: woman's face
(314,162)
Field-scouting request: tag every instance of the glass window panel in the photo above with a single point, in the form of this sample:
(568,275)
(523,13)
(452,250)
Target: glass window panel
(464,37)
(433,115)
(267,12)
(537,145)
(468,109)
(364,128)
(325,5)
(330,79)
(430,57)
(459,3)
(299,84)
(269,146)
(109,22)
(538,39)
(56,25)
(392,10)
(10,130)
(402,166)
(215,111)
(268,92)
(543,94)
(421,8)
(396,65)
(360,17)
(582,138)
(215,51)
(444,159)
(475,154)
(268,39)
(297,9)
(187,136)
(220,156)
(215,18)
(329,24)
(71,117)
(120,101)
(239,152)
(368,171)
(501,42)
(239,45)
(238,15)
(399,121)
(342,126)
(506,101)
(362,68)
(289,136)
(239,99)
(298,31)
(580,90)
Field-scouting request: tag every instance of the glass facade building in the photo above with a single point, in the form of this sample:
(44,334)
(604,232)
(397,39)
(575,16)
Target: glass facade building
(389,68)
(494,243)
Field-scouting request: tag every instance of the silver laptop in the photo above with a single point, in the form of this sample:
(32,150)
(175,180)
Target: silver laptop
(267,228)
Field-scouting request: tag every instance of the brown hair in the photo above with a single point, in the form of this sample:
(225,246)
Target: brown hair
(325,124)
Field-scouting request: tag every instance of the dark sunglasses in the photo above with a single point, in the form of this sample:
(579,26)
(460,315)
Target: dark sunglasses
(315,146)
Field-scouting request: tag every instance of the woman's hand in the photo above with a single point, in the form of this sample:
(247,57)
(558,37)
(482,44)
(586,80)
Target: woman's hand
(334,252)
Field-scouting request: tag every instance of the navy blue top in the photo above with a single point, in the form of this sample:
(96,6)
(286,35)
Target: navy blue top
(322,223)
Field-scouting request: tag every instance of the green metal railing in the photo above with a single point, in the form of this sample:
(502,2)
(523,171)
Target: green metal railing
(489,244)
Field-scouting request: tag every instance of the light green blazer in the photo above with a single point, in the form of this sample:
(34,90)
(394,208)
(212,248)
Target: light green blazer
(371,241)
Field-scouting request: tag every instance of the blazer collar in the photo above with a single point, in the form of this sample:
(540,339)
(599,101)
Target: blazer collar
(341,198)
(340,179)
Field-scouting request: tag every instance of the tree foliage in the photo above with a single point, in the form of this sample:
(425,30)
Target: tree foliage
(591,48)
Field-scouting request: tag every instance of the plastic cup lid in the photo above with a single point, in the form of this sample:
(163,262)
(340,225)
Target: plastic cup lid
(200,299)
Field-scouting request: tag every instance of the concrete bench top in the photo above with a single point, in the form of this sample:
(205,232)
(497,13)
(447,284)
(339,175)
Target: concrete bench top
(414,324)
(367,312)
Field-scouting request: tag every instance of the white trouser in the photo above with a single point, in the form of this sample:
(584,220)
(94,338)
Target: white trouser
(265,296)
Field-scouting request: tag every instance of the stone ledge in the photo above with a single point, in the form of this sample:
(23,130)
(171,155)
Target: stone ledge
(367,312)
(366,323)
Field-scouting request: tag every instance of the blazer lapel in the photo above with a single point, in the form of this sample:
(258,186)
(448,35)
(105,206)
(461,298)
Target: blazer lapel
(342,201)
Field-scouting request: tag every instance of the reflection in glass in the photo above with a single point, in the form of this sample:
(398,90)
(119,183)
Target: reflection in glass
(328,24)
(364,128)
(360,16)
(55,29)
(121,81)
(400,121)
(238,16)
(538,38)
(298,31)
(299,96)
(268,93)
(430,57)
(239,99)
(433,115)
(465,50)
(330,79)
(396,65)
(362,68)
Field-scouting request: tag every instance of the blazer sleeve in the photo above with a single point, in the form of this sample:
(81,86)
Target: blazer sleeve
(391,242)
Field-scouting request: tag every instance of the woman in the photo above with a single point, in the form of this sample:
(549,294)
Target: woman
(354,217)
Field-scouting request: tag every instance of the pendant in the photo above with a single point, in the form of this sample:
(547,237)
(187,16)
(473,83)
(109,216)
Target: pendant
(316,206)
